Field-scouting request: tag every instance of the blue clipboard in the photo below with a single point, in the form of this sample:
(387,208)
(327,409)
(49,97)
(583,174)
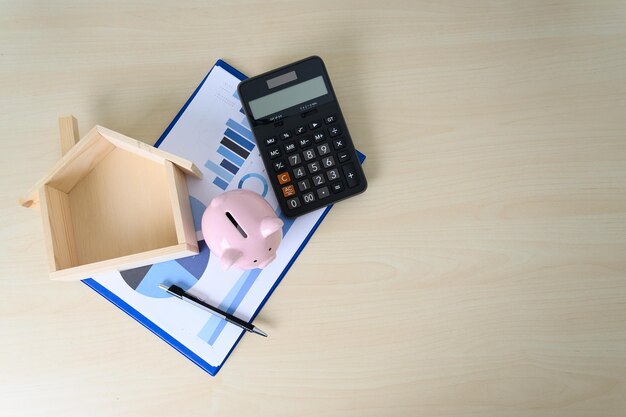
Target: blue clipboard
(166,337)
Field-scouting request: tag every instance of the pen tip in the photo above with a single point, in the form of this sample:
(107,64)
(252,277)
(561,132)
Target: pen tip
(259,331)
(163,287)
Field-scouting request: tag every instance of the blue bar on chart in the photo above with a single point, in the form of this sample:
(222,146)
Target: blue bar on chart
(220,183)
(239,140)
(242,130)
(235,147)
(229,166)
(220,171)
(231,156)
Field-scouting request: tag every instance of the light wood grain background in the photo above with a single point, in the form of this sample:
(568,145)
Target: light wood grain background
(483,273)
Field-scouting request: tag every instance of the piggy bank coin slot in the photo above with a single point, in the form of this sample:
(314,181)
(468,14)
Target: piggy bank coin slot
(236,224)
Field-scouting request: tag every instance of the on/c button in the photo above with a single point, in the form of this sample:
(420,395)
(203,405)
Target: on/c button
(283,178)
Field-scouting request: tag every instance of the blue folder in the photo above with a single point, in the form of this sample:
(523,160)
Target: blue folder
(211,369)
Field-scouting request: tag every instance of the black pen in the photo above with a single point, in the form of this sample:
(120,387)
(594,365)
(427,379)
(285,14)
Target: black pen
(176,291)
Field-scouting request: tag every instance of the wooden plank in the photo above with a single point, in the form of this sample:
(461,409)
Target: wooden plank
(68,129)
(143,149)
(58,229)
(77,162)
(125,262)
(181,206)
(47,229)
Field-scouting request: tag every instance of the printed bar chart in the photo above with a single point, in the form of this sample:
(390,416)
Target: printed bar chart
(234,148)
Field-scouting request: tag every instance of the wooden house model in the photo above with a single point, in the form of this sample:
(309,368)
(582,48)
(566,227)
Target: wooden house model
(113,203)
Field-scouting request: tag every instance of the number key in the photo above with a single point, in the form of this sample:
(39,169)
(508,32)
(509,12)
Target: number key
(328,162)
(318,180)
(304,185)
(309,154)
(314,167)
(299,172)
(294,159)
(323,149)
(333,174)
(293,203)
(308,198)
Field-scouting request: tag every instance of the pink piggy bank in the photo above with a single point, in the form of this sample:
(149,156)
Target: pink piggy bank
(242,229)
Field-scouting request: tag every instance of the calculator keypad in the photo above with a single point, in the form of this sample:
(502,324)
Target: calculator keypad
(318,162)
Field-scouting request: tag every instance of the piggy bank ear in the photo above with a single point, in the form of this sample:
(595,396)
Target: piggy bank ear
(229,257)
(270,225)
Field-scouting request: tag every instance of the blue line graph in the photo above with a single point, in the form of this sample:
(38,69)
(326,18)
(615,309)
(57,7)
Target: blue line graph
(214,326)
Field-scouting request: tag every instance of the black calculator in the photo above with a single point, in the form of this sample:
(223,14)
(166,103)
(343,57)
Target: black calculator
(302,136)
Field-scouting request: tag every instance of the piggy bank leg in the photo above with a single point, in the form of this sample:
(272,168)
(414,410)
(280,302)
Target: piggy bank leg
(229,257)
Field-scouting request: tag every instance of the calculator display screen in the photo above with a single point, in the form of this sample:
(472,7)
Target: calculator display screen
(288,97)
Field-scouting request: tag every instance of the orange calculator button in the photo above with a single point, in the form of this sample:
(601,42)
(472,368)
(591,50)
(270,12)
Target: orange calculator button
(284,178)
(289,190)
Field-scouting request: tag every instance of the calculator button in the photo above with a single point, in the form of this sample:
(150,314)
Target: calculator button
(333,174)
(283,178)
(351,176)
(299,172)
(308,198)
(300,130)
(274,153)
(289,190)
(294,159)
(309,154)
(304,142)
(319,136)
(304,185)
(323,192)
(270,141)
(323,149)
(314,167)
(328,162)
(343,156)
(339,143)
(334,131)
(330,119)
(285,135)
(293,203)
(279,165)
(290,147)
(318,180)
(337,187)
(315,124)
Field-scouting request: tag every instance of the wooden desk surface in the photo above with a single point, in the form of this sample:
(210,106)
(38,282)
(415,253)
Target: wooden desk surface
(482,273)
